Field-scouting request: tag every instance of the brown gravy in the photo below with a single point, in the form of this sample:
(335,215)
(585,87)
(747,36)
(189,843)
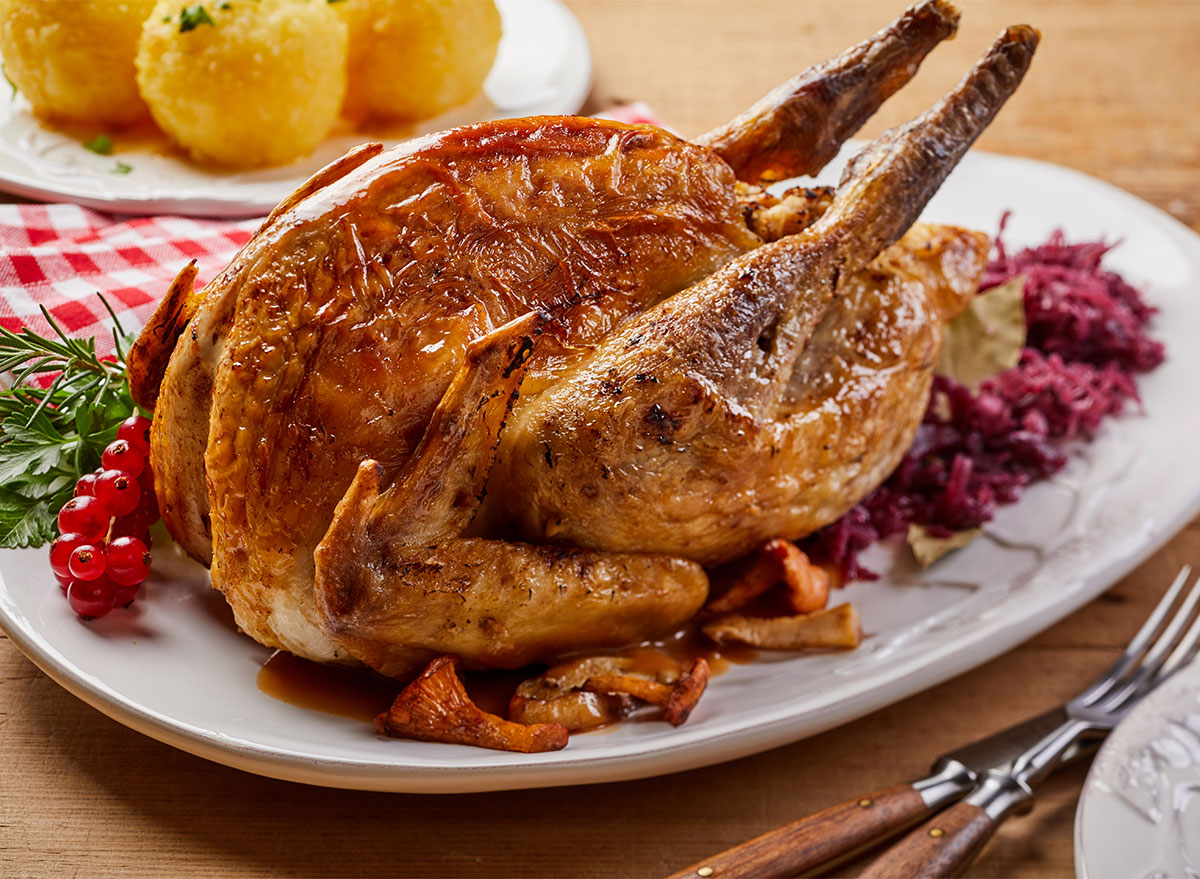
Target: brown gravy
(362,694)
(332,689)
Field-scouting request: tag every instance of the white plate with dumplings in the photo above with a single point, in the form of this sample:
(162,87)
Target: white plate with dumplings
(543,66)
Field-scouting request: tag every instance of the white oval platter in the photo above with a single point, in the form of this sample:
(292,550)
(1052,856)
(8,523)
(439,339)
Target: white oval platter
(174,668)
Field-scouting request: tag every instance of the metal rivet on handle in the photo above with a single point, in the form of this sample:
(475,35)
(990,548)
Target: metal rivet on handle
(866,803)
(937,832)
(705,871)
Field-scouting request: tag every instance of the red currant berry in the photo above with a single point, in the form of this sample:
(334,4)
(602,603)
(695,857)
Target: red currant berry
(87,562)
(86,516)
(138,522)
(135,430)
(118,491)
(146,480)
(85,486)
(91,598)
(60,552)
(128,561)
(120,455)
(125,595)
(64,582)
(149,501)
(133,525)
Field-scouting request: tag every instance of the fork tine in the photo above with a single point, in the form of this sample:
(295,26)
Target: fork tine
(1152,662)
(1182,655)
(1141,641)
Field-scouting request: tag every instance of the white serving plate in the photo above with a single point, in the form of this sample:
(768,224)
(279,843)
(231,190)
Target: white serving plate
(174,668)
(543,66)
(1139,813)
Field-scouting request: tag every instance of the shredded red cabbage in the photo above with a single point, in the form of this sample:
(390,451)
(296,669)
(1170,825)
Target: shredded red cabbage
(1086,339)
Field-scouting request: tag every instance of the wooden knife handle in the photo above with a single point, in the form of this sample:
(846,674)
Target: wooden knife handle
(814,840)
(941,846)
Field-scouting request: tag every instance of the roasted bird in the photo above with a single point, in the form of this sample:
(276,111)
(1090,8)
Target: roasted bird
(502,392)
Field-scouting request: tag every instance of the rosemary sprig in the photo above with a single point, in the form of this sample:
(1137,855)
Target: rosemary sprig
(51,436)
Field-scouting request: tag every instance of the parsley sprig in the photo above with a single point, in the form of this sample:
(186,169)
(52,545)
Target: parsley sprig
(51,436)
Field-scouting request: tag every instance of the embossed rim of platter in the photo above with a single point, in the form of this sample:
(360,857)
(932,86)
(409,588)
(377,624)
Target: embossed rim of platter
(177,672)
(1115,839)
(543,67)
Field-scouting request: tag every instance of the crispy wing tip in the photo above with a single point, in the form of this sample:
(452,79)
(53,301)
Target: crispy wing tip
(800,125)
(887,184)
(147,362)
(436,708)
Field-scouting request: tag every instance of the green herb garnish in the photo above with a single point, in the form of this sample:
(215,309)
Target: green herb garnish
(11,84)
(121,168)
(51,436)
(191,17)
(101,144)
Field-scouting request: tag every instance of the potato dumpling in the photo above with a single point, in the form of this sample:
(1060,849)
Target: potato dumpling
(73,59)
(244,83)
(414,59)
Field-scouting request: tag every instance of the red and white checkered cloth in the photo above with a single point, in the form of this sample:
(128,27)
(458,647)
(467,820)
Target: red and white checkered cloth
(59,256)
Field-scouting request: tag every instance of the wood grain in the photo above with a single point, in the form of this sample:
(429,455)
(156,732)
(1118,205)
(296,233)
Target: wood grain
(816,840)
(1111,93)
(938,848)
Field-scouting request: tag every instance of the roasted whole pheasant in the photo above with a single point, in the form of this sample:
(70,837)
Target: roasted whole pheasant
(502,392)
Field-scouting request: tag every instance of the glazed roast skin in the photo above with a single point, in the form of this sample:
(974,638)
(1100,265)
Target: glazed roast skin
(362,417)
(338,328)
(646,451)
(768,398)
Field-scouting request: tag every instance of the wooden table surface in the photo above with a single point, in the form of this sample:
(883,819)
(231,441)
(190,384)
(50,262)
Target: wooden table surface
(1112,93)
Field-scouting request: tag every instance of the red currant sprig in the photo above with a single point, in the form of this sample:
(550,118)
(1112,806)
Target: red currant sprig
(100,557)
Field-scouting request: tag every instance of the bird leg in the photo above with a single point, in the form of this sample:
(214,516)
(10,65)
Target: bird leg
(397,585)
(677,428)
(801,125)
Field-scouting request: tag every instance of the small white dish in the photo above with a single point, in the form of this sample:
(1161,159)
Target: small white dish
(543,66)
(174,668)
(1139,812)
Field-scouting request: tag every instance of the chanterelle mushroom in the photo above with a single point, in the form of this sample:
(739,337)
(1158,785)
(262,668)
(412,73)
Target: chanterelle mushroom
(573,318)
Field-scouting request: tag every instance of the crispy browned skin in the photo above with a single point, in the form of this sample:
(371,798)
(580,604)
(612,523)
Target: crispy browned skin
(396,584)
(336,333)
(684,433)
(829,102)
(147,361)
(179,434)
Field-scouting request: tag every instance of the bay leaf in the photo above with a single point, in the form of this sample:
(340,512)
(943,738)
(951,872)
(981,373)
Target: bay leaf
(987,338)
(927,549)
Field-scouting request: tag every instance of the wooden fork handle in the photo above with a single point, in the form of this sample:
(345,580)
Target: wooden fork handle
(940,847)
(815,840)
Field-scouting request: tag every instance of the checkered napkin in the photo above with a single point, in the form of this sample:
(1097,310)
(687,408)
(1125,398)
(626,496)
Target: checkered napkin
(60,256)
